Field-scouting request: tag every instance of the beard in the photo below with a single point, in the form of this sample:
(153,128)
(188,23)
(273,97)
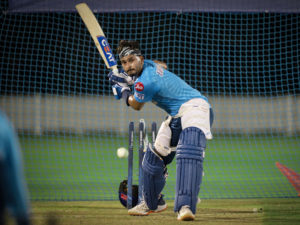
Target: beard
(133,74)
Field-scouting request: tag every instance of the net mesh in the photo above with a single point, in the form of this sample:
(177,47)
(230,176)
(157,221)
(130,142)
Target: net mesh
(55,90)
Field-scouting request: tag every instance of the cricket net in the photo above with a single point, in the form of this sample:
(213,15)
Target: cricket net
(55,90)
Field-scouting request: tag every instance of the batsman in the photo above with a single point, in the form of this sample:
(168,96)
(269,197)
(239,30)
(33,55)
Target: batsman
(183,134)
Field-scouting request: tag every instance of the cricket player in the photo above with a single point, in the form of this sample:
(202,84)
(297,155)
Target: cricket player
(13,190)
(183,134)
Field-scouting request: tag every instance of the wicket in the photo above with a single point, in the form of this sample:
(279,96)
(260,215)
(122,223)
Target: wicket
(143,143)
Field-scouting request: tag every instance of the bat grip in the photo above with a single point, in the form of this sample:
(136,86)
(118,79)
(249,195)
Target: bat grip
(115,70)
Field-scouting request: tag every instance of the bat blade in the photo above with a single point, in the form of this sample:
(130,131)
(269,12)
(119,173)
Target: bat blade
(97,34)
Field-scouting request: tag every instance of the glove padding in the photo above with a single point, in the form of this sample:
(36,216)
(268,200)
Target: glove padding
(120,78)
(118,90)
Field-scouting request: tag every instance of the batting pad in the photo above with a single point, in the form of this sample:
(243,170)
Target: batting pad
(189,167)
(154,179)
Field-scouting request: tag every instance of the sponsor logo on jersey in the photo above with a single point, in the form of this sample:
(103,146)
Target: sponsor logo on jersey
(159,71)
(140,96)
(139,86)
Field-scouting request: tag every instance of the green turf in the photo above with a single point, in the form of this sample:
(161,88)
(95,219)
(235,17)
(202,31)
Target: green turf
(209,212)
(87,168)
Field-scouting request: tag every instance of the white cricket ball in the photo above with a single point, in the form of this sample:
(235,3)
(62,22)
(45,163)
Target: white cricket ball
(122,152)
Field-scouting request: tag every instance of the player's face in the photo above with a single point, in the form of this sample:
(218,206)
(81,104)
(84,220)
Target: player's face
(132,64)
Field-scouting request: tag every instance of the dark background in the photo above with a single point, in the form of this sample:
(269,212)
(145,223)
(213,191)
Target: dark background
(217,53)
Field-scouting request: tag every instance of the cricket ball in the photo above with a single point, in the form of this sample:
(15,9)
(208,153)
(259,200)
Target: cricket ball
(122,152)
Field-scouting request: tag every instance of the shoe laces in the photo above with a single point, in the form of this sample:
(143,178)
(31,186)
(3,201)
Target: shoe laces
(184,208)
(143,205)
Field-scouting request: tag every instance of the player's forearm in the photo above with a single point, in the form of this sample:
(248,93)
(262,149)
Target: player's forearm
(125,94)
(129,100)
(134,104)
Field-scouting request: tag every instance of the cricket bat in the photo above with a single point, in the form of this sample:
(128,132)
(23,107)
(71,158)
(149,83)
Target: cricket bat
(98,35)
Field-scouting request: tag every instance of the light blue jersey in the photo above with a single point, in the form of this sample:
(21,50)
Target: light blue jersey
(163,88)
(13,189)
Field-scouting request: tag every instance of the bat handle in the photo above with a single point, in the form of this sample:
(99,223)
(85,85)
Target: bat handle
(115,69)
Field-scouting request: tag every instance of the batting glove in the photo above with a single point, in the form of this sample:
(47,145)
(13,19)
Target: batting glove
(120,78)
(118,90)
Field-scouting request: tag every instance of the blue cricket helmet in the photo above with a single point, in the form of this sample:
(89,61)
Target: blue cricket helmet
(123,194)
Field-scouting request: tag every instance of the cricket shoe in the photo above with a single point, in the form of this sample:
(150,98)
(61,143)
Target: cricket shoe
(185,214)
(161,205)
(143,210)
